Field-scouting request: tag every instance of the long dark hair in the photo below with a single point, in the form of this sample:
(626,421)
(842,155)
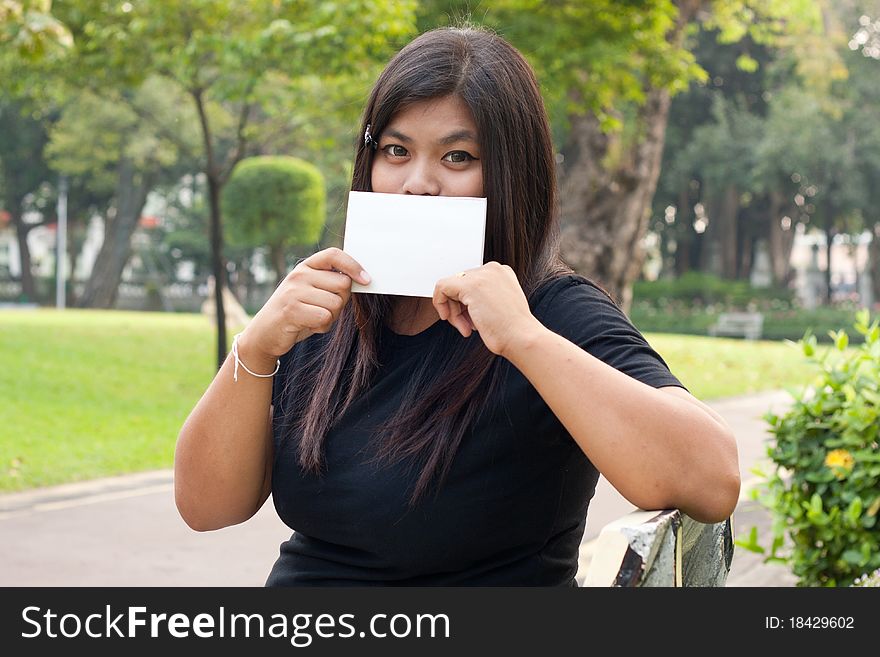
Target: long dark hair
(518,167)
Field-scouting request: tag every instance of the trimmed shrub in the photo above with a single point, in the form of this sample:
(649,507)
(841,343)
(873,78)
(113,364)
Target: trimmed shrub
(274,201)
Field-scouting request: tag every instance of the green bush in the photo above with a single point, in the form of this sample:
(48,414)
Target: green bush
(781,323)
(824,493)
(276,201)
(701,288)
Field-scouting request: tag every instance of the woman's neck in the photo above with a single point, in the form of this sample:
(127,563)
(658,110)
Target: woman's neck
(412,315)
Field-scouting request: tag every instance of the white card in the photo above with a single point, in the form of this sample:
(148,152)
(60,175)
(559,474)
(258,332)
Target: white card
(407,243)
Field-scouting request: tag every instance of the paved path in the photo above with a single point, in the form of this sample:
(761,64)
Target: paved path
(125,531)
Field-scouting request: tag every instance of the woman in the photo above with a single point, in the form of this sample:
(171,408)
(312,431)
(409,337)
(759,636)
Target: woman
(455,440)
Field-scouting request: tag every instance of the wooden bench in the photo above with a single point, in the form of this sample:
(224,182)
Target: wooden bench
(661,548)
(746,325)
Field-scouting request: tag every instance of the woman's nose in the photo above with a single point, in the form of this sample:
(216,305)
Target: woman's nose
(421,179)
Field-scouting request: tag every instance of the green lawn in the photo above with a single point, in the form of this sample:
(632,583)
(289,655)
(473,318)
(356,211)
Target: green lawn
(89,393)
(724,367)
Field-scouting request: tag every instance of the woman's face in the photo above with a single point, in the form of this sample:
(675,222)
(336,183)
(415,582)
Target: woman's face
(430,148)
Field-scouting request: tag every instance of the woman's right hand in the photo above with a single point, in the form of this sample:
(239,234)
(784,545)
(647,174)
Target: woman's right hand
(307,301)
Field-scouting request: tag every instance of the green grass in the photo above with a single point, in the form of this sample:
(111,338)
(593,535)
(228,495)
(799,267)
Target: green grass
(723,367)
(87,394)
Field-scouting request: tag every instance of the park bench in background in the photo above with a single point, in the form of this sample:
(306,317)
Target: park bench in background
(743,324)
(661,548)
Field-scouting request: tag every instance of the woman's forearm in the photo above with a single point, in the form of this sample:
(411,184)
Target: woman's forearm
(223,457)
(658,449)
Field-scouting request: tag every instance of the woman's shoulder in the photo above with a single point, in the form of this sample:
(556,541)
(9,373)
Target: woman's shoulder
(570,288)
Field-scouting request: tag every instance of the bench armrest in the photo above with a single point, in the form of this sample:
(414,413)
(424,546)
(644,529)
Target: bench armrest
(661,548)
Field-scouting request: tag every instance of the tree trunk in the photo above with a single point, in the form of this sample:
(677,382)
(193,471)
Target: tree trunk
(829,239)
(131,195)
(605,212)
(874,263)
(726,230)
(218,265)
(28,289)
(214,175)
(77,231)
(684,232)
(276,253)
(74,246)
(781,241)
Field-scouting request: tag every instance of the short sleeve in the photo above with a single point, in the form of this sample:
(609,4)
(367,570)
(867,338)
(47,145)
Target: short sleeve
(578,310)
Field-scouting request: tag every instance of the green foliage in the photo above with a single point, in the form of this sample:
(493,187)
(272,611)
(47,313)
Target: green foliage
(274,200)
(871,580)
(29,27)
(782,321)
(226,46)
(22,142)
(589,56)
(700,288)
(94,135)
(824,491)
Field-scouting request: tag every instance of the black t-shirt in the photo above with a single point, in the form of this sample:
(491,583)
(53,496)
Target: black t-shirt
(512,510)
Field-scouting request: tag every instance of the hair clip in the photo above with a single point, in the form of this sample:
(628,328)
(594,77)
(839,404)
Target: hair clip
(368,138)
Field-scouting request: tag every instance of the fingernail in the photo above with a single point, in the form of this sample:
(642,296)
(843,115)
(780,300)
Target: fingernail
(365,277)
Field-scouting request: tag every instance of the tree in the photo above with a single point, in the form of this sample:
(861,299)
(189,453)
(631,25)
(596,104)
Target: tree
(863,61)
(817,147)
(708,125)
(30,37)
(276,201)
(31,29)
(609,71)
(121,158)
(721,153)
(220,53)
(22,140)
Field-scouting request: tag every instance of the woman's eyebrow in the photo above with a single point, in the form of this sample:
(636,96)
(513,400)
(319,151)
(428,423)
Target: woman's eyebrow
(458,135)
(451,138)
(394,134)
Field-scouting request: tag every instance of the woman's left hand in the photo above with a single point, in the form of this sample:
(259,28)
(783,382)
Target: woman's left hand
(488,300)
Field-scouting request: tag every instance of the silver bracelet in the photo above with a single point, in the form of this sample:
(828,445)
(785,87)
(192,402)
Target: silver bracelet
(245,367)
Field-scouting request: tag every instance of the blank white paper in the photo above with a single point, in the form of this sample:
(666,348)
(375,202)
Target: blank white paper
(407,243)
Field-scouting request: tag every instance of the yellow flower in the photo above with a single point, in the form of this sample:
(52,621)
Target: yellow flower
(840,461)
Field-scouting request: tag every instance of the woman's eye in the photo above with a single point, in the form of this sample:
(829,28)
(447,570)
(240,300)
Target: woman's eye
(395,150)
(458,156)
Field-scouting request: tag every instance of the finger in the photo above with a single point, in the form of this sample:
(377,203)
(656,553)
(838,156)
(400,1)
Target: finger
(318,298)
(339,260)
(450,308)
(462,324)
(442,304)
(332,281)
(454,308)
(445,290)
(460,318)
(467,317)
